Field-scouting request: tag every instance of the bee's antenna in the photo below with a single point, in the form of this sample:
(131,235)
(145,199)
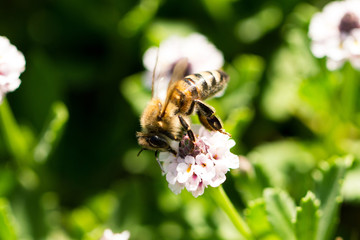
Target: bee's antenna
(140,151)
(153,75)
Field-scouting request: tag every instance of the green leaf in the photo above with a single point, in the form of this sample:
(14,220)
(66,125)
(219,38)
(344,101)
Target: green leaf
(307,217)
(280,209)
(290,65)
(328,186)
(255,27)
(135,19)
(237,121)
(219,9)
(252,183)
(256,218)
(7,227)
(52,132)
(246,71)
(14,139)
(286,163)
(135,93)
(7,180)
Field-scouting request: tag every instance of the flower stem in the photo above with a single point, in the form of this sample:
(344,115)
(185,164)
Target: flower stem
(349,92)
(221,199)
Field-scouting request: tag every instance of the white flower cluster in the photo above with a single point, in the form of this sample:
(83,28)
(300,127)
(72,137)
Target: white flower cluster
(109,235)
(200,164)
(201,54)
(12,64)
(335,33)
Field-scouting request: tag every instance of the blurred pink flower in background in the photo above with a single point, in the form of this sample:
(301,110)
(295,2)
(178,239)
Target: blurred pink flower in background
(335,33)
(201,54)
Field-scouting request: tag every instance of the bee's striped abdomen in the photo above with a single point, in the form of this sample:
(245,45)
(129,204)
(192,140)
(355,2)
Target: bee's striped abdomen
(207,83)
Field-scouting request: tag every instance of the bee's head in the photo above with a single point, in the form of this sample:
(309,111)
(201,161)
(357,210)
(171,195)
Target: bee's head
(156,142)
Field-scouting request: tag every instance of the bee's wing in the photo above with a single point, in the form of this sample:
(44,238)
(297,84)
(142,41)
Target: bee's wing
(159,82)
(159,89)
(178,74)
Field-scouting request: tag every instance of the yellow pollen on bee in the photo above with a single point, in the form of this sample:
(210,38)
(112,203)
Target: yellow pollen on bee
(189,168)
(161,124)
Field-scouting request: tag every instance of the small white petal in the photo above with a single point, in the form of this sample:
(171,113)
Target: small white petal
(333,65)
(352,43)
(171,177)
(109,235)
(185,171)
(199,191)
(193,182)
(176,187)
(355,61)
(232,161)
(218,179)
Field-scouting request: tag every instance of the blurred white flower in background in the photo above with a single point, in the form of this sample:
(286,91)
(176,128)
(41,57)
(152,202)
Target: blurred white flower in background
(12,64)
(335,33)
(199,165)
(201,54)
(109,235)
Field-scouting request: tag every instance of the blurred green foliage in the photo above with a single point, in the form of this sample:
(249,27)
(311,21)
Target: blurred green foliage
(68,165)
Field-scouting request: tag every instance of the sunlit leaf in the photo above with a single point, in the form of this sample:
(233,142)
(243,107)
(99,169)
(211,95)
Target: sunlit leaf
(219,9)
(328,186)
(52,132)
(285,162)
(82,220)
(245,73)
(7,180)
(136,18)
(252,183)
(14,139)
(307,217)
(256,26)
(7,224)
(280,209)
(256,217)
(290,65)
(237,121)
(103,205)
(135,92)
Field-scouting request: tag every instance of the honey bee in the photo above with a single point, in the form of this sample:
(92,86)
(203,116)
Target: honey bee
(166,117)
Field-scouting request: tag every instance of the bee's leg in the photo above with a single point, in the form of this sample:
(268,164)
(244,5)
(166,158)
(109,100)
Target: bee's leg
(207,117)
(191,108)
(158,161)
(187,128)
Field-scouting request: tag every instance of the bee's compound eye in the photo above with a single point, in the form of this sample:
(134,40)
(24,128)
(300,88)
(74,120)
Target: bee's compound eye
(157,142)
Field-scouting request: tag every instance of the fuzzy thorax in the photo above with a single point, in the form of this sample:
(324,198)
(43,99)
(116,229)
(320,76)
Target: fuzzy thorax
(168,124)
